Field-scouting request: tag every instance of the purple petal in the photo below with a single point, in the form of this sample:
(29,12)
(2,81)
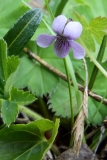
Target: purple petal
(61,47)
(44,40)
(73,30)
(59,24)
(78,50)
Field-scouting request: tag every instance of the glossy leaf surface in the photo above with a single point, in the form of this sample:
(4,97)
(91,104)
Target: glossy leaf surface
(27,141)
(21,32)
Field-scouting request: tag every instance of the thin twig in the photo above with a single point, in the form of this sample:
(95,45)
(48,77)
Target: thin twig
(63,76)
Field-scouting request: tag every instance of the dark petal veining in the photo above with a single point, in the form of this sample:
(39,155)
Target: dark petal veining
(61,47)
(67,31)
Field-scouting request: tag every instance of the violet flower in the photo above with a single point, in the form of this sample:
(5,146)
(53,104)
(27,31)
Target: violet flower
(67,31)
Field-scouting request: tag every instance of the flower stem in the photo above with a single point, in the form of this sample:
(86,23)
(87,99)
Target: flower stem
(96,97)
(70,94)
(44,108)
(72,74)
(49,9)
(29,112)
(48,27)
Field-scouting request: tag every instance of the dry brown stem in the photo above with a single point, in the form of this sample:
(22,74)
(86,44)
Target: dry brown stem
(78,132)
(85,96)
(63,76)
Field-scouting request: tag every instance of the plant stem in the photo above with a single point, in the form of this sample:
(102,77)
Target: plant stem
(68,77)
(29,112)
(99,60)
(93,59)
(48,27)
(44,108)
(63,76)
(72,74)
(51,14)
(70,95)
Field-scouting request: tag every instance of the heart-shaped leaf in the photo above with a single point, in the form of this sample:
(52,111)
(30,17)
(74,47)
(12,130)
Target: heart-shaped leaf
(27,141)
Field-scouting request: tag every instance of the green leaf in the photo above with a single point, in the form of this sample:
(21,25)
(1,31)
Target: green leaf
(95,29)
(86,34)
(3,64)
(86,8)
(98,28)
(99,9)
(92,28)
(7,65)
(10,11)
(9,111)
(96,112)
(99,88)
(39,80)
(60,7)
(27,141)
(21,97)
(60,101)
(99,59)
(42,28)
(21,32)
(12,64)
(9,84)
(100,82)
(80,6)
(88,39)
(99,23)
(54,5)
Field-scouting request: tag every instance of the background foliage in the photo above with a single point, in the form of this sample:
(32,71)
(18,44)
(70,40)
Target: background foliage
(23,80)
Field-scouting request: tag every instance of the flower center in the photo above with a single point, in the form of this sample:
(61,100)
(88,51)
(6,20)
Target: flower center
(61,40)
